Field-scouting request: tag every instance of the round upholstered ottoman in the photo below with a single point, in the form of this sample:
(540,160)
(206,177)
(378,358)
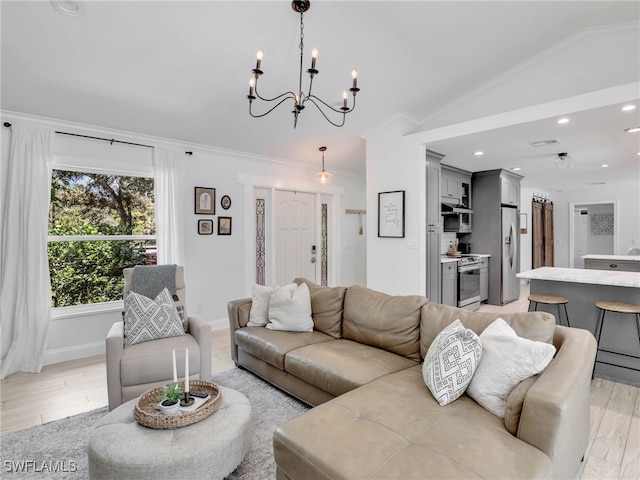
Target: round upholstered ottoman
(120,448)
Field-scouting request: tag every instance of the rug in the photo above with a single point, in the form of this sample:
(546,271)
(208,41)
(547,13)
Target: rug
(58,450)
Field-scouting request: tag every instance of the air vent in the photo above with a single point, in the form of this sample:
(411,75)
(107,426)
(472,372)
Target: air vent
(597,183)
(542,143)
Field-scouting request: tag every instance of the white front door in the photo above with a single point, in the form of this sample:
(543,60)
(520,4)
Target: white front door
(295,248)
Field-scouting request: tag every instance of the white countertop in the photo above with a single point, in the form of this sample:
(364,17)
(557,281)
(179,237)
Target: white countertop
(579,275)
(618,258)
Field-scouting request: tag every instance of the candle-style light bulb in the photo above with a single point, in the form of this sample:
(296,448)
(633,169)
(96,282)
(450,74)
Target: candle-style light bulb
(252,84)
(314,56)
(354,75)
(259,59)
(344,99)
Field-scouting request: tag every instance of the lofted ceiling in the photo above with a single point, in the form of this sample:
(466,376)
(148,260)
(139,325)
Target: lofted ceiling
(180,70)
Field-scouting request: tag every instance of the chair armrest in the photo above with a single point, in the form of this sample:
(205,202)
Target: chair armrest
(237,321)
(555,413)
(201,331)
(114,349)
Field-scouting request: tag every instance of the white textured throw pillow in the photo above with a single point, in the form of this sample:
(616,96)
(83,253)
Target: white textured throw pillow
(260,298)
(507,360)
(451,362)
(146,319)
(290,310)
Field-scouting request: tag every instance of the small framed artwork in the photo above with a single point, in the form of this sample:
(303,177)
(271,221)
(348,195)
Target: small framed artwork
(523,223)
(224,225)
(205,227)
(225,202)
(391,214)
(205,201)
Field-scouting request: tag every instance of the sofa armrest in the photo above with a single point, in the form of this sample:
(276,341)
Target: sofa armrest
(237,320)
(555,413)
(114,350)
(201,331)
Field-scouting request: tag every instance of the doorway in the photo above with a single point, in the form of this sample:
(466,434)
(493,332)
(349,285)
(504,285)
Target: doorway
(294,242)
(593,230)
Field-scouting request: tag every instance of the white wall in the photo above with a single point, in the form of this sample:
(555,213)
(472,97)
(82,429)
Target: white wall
(396,265)
(215,265)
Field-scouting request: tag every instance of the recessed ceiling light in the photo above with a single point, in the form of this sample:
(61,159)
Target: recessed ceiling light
(478,153)
(604,165)
(68,8)
(632,129)
(628,108)
(563,120)
(515,169)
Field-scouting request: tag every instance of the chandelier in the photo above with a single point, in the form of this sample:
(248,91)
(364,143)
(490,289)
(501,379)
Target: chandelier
(299,98)
(323,176)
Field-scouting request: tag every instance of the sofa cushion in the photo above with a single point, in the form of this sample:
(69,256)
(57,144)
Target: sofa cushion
(152,361)
(327,305)
(393,428)
(451,361)
(537,326)
(260,301)
(290,309)
(146,319)
(507,359)
(383,321)
(341,365)
(272,345)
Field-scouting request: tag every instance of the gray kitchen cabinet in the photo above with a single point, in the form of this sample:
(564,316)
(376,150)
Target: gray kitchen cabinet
(613,265)
(510,190)
(450,284)
(450,186)
(484,279)
(434,225)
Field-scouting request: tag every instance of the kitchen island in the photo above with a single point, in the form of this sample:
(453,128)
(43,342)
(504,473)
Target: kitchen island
(584,288)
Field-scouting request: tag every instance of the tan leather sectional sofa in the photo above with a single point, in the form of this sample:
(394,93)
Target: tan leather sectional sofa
(374,417)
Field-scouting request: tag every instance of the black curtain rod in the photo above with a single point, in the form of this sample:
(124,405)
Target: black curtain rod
(110,140)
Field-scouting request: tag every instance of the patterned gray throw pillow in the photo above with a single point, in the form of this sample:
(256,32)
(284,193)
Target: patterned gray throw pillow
(146,319)
(451,361)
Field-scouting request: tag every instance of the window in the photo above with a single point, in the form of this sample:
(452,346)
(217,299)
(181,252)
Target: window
(99,224)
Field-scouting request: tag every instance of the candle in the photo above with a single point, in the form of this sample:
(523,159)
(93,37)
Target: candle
(175,370)
(344,99)
(186,371)
(259,59)
(354,75)
(314,56)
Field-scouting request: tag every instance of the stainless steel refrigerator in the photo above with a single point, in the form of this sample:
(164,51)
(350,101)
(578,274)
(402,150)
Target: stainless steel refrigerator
(510,255)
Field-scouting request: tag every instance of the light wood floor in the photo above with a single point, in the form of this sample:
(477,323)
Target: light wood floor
(78,386)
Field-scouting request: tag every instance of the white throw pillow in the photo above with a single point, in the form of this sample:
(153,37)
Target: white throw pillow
(451,362)
(260,298)
(507,360)
(146,319)
(290,310)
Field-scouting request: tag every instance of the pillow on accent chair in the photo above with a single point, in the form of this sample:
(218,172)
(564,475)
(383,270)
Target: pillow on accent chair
(451,362)
(507,360)
(146,319)
(290,310)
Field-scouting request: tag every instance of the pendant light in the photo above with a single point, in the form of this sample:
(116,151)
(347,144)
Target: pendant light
(563,161)
(323,176)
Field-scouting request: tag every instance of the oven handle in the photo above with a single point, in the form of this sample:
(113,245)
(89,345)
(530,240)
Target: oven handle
(468,268)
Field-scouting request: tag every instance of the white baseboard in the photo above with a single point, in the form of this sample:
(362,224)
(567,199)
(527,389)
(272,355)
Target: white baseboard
(74,352)
(219,324)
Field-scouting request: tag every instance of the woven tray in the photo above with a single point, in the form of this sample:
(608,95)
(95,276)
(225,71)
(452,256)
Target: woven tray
(146,413)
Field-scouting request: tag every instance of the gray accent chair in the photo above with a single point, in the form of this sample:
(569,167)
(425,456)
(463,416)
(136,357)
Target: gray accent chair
(135,369)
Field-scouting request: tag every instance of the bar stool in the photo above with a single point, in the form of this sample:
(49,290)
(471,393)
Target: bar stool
(617,307)
(550,300)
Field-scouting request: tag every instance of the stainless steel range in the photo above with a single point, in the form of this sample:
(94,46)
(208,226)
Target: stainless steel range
(469,282)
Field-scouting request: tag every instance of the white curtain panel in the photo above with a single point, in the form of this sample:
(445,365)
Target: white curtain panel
(169,170)
(25,286)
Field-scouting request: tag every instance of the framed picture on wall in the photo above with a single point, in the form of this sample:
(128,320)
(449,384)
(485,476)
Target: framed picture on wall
(205,201)
(224,225)
(391,214)
(205,227)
